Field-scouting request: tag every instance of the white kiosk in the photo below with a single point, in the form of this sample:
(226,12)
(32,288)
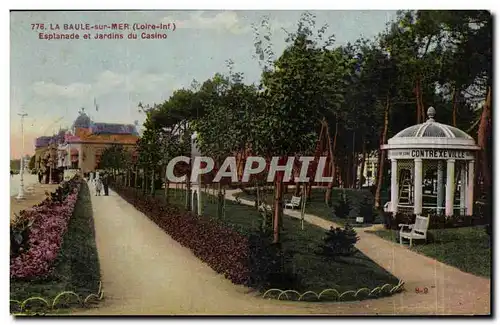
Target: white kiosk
(432,169)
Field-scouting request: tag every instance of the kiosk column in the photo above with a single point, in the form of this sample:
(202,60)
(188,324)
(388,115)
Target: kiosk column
(394,186)
(450,186)
(470,188)
(417,197)
(440,187)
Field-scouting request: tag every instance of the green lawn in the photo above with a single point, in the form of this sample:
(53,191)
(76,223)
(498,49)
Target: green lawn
(317,206)
(315,271)
(468,248)
(76,267)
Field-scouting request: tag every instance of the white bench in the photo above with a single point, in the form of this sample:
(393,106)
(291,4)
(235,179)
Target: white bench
(416,231)
(387,207)
(293,203)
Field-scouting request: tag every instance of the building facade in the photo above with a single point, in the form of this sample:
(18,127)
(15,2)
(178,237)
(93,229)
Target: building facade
(82,146)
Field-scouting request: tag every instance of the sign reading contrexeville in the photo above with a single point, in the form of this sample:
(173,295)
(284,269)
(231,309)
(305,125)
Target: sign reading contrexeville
(430,154)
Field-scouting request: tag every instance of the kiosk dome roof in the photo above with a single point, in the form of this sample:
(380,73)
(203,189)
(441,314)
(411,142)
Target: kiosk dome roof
(432,134)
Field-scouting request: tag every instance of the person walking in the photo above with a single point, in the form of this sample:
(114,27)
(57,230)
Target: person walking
(40,176)
(105,184)
(98,186)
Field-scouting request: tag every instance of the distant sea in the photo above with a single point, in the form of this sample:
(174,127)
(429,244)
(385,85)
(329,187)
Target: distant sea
(28,180)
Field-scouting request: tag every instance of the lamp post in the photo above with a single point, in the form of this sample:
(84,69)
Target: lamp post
(51,161)
(20,195)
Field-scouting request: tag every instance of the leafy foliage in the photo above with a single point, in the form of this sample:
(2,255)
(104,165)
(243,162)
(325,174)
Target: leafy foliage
(343,207)
(114,157)
(340,242)
(366,209)
(37,234)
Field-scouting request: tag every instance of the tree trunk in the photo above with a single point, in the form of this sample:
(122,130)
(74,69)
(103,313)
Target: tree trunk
(220,199)
(354,162)
(381,154)
(319,151)
(355,171)
(417,96)
(188,194)
(153,182)
(362,167)
(297,189)
(456,93)
(167,187)
(421,98)
(348,171)
(332,148)
(278,204)
(143,181)
(483,138)
(278,209)
(135,176)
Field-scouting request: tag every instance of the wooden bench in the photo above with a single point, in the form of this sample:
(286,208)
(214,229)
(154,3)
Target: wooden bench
(416,231)
(293,203)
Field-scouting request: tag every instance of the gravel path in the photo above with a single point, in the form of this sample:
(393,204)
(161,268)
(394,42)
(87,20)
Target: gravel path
(145,272)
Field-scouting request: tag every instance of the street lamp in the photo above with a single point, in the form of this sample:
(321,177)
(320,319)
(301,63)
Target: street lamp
(51,162)
(20,195)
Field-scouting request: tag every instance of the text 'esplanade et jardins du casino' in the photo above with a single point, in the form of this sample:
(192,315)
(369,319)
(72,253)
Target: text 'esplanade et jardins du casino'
(56,31)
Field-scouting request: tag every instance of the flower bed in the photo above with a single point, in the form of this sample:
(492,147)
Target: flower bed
(37,233)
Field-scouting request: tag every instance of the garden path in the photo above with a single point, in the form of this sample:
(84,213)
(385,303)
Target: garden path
(451,291)
(146,272)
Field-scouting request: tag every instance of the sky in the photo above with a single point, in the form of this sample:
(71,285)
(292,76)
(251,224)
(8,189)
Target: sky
(51,80)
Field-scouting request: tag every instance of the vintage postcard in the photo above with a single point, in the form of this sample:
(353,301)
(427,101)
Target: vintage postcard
(184,162)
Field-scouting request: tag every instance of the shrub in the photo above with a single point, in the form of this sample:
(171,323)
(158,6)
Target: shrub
(340,242)
(487,229)
(266,263)
(367,210)
(343,207)
(19,235)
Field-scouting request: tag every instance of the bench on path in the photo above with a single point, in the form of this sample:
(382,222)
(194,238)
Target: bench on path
(293,203)
(416,231)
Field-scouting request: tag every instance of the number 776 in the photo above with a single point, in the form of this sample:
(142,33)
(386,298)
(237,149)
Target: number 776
(37,26)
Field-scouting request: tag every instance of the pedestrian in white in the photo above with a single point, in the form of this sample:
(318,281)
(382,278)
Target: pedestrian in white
(98,186)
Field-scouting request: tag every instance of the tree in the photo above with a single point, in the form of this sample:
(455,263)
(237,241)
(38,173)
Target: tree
(114,158)
(31,164)
(229,107)
(290,97)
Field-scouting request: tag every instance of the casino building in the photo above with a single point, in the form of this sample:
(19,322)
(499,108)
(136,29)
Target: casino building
(82,146)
